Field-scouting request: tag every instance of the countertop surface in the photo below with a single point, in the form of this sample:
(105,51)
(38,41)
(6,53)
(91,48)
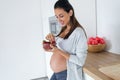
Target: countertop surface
(95,61)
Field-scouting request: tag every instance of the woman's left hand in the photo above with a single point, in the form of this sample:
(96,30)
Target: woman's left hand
(54,48)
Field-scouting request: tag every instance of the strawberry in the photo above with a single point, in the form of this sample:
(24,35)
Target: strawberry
(46,44)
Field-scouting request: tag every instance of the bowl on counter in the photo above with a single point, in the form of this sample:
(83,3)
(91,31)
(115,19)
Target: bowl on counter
(96,48)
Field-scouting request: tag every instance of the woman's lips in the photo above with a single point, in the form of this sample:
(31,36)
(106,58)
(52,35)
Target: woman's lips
(62,23)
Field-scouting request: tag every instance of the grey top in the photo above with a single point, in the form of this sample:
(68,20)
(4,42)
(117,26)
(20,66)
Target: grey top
(76,46)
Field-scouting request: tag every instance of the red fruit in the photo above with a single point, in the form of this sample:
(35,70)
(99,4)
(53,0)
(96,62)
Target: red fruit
(53,43)
(98,39)
(102,41)
(91,38)
(46,44)
(94,42)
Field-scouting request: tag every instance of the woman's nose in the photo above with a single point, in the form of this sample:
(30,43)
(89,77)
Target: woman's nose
(59,19)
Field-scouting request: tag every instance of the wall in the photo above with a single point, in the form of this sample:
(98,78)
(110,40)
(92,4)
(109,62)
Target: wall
(85,14)
(21,53)
(108,12)
(47,11)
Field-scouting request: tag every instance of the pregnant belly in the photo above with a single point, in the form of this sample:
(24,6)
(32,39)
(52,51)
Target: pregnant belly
(58,63)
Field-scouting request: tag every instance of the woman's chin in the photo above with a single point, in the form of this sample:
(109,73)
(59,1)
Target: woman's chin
(63,25)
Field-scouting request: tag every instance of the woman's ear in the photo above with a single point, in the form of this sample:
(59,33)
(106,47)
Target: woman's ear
(71,12)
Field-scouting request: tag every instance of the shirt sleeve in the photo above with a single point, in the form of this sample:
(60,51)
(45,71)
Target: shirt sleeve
(81,49)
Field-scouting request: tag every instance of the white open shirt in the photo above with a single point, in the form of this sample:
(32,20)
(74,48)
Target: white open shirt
(76,46)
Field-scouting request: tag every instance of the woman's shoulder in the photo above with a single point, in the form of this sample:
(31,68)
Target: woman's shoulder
(78,30)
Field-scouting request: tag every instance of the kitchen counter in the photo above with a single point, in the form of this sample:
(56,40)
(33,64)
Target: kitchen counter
(95,61)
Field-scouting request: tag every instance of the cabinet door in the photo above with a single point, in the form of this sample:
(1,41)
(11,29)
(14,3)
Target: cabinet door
(87,77)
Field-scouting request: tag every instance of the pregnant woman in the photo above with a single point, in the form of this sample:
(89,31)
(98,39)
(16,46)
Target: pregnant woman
(70,51)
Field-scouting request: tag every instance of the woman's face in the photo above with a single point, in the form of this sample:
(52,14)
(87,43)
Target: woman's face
(62,16)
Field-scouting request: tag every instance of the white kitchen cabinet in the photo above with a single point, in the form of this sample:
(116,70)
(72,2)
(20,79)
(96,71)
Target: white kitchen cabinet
(87,77)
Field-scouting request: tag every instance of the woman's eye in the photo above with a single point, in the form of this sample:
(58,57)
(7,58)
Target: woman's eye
(57,17)
(61,16)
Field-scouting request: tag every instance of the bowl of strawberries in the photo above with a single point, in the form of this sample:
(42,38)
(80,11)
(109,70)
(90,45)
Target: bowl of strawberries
(96,44)
(46,44)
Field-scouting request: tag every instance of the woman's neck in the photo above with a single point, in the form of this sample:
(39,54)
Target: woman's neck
(68,28)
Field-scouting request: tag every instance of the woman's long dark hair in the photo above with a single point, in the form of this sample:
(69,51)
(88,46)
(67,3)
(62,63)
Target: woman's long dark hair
(66,6)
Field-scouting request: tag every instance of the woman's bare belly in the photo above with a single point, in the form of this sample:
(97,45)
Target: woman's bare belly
(58,63)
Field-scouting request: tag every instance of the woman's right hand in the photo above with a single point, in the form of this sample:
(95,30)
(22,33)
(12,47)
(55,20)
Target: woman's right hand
(51,42)
(50,37)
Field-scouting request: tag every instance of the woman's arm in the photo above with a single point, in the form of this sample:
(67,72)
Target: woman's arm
(55,50)
(80,50)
